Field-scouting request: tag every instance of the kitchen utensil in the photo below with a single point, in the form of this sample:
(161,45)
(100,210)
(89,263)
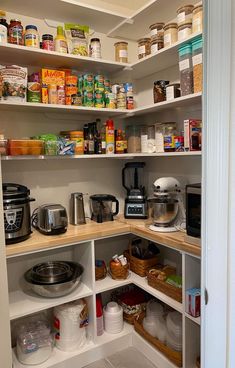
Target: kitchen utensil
(51,219)
(56,289)
(101,207)
(77,213)
(135,202)
(51,272)
(16,206)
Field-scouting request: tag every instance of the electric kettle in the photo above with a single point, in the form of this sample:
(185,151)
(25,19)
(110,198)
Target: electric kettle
(102,207)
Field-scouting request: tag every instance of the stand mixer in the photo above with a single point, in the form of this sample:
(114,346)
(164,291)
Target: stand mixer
(166,207)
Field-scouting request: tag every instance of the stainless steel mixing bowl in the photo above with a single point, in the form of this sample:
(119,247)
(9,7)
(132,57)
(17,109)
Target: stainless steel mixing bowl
(57,289)
(51,272)
(163,213)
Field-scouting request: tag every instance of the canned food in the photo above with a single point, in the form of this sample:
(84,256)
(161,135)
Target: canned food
(80,83)
(99,99)
(88,82)
(110,100)
(71,82)
(61,95)
(88,99)
(77,99)
(107,84)
(99,82)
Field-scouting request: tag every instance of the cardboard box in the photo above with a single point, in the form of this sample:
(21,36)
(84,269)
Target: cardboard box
(52,76)
(193,302)
(192,135)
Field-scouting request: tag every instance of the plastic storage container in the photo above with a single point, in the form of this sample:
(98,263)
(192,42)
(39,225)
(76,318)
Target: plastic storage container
(121,52)
(197,19)
(133,139)
(159,91)
(185,14)
(184,31)
(186,69)
(197,65)
(144,47)
(157,43)
(156,29)
(26,147)
(170,34)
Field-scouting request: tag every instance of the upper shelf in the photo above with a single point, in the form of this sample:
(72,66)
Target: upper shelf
(137,25)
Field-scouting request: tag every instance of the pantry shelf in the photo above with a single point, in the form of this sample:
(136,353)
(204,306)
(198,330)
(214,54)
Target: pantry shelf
(196,320)
(27,56)
(22,304)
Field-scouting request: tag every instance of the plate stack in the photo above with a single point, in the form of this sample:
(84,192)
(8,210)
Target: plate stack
(174,331)
(113,318)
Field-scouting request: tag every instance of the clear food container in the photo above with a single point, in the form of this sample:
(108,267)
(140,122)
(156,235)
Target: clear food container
(197,65)
(185,14)
(184,31)
(197,19)
(156,29)
(121,52)
(144,47)
(170,34)
(186,69)
(133,139)
(26,147)
(157,43)
(3,146)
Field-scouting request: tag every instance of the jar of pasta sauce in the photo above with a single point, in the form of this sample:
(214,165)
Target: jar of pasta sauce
(15,32)
(47,42)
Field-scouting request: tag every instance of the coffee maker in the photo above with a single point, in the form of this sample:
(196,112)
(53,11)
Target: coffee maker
(136,201)
(102,207)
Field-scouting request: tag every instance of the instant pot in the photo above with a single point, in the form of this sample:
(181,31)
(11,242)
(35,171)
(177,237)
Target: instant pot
(17,218)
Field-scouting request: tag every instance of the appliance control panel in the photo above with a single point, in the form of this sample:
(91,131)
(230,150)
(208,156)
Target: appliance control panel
(13,219)
(136,210)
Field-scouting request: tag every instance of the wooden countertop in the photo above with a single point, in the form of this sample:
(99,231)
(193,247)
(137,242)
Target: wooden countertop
(93,230)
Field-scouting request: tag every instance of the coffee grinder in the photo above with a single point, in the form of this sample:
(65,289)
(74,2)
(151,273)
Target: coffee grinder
(136,201)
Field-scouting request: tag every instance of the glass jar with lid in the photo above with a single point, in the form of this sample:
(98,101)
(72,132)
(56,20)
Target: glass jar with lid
(169,131)
(186,69)
(184,31)
(156,29)
(15,32)
(147,139)
(159,91)
(170,34)
(121,52)
(197,19)
(3,27)
(144,47)
(31,36)
(157,43)
(185,14)
(133,139)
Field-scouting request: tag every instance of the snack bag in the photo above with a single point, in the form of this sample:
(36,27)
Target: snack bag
(76,36)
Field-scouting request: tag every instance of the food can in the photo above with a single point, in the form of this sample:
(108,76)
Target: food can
(77,99)
(107,84)
(52,93)
(34,92)
(110,100)
(88,82)
(130,103)
(99,82)
(80,83)
(44,92)
(61,95)
(88,99)
(71,82)
(99,99)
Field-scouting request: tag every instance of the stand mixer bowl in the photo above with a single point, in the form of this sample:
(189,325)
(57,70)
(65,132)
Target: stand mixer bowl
(163,212)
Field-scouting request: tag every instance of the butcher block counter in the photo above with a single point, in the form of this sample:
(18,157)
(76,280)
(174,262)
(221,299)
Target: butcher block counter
(93,231)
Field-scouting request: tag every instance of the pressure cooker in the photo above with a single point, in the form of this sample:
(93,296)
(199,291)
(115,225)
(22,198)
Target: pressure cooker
(17,217)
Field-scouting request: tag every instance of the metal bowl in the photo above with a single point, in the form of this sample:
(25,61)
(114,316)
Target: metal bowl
(57,289)
(163,213)
(51,272)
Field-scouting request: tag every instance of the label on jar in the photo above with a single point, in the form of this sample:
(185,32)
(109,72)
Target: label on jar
(197,59)
(184,33)
(167,38)
(144,142)
(141,50)
(31,40)
(170,93)
(3,34)
(123,53)
(16,35)
(154,48)
(181,17)
(184,64)
(153,32)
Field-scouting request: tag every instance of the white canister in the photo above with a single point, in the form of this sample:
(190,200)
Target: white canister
(113,318)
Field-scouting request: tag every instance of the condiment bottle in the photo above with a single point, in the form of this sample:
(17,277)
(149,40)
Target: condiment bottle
(103,139)
(85,133)
(95,48)
(124,141)
(31,37)
(119,142)
(3,27)
(60,41)
(109,136)
(15,32)
(91,141)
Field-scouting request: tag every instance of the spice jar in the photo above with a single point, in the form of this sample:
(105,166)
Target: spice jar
(144,47)
(197,19)
(184,31)
(157,43)
(121,52)
(133,139)
(170,34)
(197,65)
(159,91)
(47,42)
(185,14)
(15,32)
(172,91)
(95,48)
(186,70)
(156,29)
(31,37)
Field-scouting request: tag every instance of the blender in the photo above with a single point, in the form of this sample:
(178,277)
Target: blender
(136,201)
(166,207)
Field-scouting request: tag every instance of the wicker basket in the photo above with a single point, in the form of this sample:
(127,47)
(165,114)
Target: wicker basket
(139,266)
(170,290)
(119,273)
(174,356)
(100,272)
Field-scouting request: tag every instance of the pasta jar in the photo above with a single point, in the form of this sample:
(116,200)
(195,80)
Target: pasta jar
(197,65)
(15,32)
(184,31)
(95,48)
(185,14)
(156,29)
(144,47)
(197,19)
(31,37)
(157,43)
(159,90)
(170,34)
(47,42)
(121,52)
(186,70)
(78,137)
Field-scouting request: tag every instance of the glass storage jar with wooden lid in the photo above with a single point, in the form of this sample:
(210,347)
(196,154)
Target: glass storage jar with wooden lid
(184,14)
(184,31)
(144,47)
(170,34)
(197,19)
(156,29)
(121,52)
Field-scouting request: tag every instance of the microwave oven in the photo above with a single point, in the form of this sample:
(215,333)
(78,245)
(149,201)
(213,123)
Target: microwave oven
(193,214)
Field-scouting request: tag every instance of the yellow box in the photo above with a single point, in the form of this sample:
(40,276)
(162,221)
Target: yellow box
(52,76)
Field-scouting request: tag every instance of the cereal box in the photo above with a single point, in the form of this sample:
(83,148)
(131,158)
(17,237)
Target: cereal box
(13,83)
(52,76)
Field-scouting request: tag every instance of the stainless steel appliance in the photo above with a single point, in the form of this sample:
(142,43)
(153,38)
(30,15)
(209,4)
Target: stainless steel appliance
(77,213)
(193,214)
(102,207)
(136,201)
(50,219)
(17,218)
(166,205)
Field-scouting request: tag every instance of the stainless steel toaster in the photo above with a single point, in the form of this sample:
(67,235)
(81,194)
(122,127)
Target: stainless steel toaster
(52,219)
